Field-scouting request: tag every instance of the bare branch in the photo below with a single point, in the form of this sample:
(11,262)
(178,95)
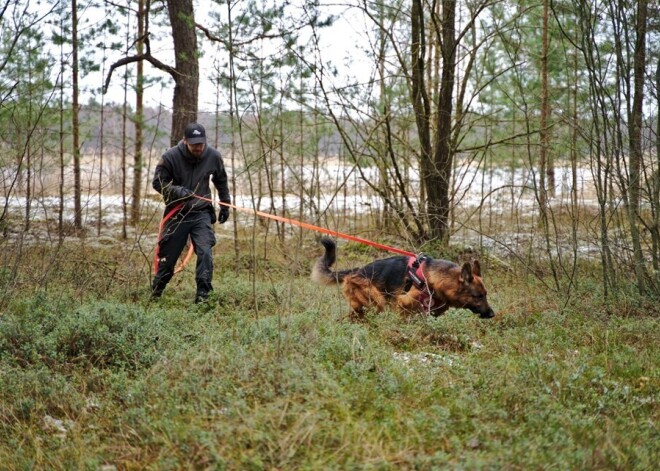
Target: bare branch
(140,57)
(211,37)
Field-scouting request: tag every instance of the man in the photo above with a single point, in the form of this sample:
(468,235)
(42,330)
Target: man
(181,175)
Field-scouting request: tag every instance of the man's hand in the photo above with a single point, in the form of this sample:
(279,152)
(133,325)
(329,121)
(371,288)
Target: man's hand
(184,193)
(223,214)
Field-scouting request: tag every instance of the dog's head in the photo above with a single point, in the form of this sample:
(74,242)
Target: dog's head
(471,294)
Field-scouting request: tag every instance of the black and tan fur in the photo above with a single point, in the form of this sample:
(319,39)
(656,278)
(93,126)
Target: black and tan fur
(383,283)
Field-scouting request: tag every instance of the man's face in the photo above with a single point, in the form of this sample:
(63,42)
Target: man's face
(195,149)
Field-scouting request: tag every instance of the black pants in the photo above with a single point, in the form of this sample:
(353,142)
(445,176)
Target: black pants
(175,234)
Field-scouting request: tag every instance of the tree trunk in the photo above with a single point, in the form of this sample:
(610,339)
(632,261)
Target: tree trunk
(635,136)
(439,178)
(138,120)
(124,152)
(234,128)
(655,200)
(62,196)
(186,81)
(544,133)
(420,100)
(99,213)
(75,127)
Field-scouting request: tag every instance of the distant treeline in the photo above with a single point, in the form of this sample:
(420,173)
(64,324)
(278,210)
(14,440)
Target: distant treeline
(157,128)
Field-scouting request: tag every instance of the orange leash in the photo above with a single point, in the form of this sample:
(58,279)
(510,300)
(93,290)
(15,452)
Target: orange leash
(191,249)
(313,227)
(294,222)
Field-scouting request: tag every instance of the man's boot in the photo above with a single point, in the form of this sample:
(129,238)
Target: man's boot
(157,291)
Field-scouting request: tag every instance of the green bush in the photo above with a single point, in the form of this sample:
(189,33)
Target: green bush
(59,333)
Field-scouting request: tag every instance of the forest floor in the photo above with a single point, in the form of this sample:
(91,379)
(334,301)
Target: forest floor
(270,374)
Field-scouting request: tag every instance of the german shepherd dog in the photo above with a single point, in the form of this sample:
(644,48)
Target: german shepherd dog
(409,284)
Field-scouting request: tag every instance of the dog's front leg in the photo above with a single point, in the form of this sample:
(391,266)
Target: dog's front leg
(407,303)
(438,305)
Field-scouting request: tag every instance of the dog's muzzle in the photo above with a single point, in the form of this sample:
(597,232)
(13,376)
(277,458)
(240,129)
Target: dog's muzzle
(484,314)
(487,315)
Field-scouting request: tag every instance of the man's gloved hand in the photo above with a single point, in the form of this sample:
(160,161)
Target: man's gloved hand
(182,193)
(223,214)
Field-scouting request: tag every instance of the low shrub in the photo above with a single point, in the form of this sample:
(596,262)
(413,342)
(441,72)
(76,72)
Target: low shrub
(58,333)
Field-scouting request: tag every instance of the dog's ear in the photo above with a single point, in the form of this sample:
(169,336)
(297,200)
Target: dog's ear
(476,268)
(466,273)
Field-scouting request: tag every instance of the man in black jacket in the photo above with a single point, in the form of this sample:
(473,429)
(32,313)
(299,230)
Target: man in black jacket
(182,174)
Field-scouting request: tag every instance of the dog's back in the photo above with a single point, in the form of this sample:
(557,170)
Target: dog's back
(388,273)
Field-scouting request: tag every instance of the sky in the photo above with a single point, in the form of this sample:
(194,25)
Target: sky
(338,45)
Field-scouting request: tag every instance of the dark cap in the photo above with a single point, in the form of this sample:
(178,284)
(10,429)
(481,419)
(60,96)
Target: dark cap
(195,134)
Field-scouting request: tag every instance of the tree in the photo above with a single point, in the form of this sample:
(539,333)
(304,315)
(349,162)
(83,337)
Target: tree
(185,72)
(635,137)
(27,117)
(26,112)
(186,79)
(616,96)
(433,28)
(75,124)
(422,108)
(438,173)
(138,120)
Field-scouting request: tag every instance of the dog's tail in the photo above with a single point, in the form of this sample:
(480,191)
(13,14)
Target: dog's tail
(321,272)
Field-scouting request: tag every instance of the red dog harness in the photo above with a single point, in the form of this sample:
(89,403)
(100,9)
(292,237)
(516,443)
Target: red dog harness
(416,277)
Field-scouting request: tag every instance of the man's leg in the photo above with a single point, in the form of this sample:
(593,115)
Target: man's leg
(172,242)
(203,238)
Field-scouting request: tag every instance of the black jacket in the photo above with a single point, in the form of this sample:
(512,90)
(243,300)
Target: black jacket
(178,169)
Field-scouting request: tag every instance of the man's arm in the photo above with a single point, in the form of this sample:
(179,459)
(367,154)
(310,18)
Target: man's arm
(163,183)
(220,181)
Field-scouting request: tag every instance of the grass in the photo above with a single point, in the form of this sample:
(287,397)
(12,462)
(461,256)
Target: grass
(270,375)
